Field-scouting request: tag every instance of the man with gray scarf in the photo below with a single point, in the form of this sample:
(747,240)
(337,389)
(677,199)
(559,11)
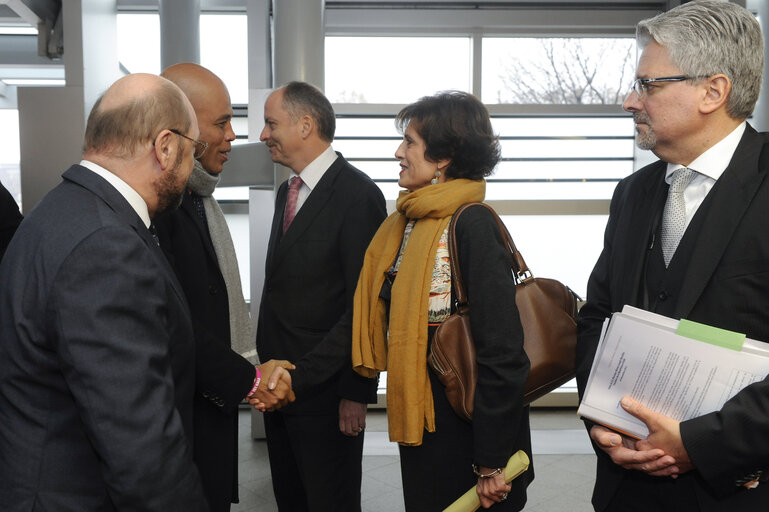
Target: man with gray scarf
(197,242)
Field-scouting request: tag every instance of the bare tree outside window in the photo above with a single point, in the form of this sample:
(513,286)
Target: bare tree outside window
(557,70)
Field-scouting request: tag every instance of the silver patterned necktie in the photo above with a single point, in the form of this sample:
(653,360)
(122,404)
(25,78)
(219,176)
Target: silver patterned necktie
(674,215)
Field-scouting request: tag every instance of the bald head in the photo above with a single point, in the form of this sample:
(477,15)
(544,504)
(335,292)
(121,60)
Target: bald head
(132,112)
(196,81)
(211,101)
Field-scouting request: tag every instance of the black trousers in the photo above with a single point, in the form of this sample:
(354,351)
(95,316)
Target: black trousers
(439,471)
(315,468)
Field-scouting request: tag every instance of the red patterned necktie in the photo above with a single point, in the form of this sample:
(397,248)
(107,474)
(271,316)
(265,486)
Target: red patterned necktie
(293,193)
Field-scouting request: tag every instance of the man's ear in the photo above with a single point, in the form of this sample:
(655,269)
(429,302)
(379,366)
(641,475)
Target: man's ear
(306,125)
(165,149)
(717,89)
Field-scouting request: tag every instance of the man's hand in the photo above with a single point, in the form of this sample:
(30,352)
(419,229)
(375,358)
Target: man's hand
(627,453)
(664,435)
(274,390)
(352,417)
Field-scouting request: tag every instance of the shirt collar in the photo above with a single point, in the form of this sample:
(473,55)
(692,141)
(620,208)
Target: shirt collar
(125,190)
(713,162)
(315,170)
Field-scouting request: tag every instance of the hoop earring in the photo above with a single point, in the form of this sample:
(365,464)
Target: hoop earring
(434,181)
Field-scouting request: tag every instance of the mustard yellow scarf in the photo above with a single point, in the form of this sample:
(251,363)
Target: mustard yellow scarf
(400,347)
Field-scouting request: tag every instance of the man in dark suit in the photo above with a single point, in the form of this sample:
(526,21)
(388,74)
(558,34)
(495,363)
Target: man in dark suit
(687,237)
(10,218)
(324,220)
(198,245)
(96,359)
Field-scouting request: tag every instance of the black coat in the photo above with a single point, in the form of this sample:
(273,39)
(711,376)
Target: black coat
(10,218)
(96,361)
(725,285)
(311,274)
(222,377)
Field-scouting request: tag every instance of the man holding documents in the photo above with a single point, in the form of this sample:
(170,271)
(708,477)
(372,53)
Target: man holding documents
(688,237)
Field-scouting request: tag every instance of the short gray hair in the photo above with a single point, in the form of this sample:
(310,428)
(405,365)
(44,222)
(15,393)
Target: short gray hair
(300,98)
(709,37)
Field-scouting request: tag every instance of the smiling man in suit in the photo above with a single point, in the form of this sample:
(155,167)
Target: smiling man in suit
(199,247)
(688,237)
(96,359)
(325,216)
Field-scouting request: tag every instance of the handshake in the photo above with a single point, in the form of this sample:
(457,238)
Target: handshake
(274,390)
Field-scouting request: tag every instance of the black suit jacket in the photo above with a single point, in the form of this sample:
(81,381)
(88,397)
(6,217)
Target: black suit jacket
(726,285)
(96,369)
(222,376)
(10,218)
(311,272)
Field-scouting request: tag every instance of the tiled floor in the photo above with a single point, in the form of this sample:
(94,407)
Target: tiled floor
(563,459)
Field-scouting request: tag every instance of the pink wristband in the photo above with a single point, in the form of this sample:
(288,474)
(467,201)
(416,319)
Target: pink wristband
(257,380)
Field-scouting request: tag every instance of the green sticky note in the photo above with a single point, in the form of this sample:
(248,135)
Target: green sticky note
(713,335)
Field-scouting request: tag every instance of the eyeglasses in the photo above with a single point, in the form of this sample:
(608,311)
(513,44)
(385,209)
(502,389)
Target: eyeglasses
(200,146)
(641,85)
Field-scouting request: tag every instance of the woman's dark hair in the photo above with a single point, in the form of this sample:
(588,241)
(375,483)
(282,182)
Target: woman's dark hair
(454,125)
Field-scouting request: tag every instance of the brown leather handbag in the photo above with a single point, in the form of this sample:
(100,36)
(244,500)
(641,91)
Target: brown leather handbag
(548,312)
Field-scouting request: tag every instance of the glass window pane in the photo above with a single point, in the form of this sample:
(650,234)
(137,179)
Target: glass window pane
(366,127)
(546,190)
(543,158)
(394,69)
(548,126)
(223,47)
(138,42)
(565,233)
(557,70)
(580,170)
(224,50)
(367,148)
(10,175)
(240,126)
(567,148)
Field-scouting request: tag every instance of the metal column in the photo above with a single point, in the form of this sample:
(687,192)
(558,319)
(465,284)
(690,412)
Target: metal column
(179,31)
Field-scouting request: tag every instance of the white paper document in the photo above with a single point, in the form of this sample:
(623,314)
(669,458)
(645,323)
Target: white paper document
(640,355)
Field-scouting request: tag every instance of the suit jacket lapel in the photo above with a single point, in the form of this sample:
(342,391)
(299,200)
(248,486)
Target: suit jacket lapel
(730,197)
(188,208)
(276,232)
(310,209)
(102,189)
(640,234)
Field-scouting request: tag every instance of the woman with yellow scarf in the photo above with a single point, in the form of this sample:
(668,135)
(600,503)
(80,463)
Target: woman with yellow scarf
(404,293)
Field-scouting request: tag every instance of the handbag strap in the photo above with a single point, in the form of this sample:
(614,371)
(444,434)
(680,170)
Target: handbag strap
(517,263)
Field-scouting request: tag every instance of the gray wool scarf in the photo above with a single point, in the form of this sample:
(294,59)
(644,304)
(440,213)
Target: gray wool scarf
(241,333)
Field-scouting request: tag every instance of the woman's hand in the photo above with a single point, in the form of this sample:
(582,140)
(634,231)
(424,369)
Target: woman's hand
(491,490)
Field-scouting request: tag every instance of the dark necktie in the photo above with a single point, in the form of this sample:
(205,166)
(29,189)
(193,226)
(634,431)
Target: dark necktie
(154,233)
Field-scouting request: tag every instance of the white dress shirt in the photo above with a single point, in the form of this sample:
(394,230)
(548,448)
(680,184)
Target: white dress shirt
(125,190)
(312,174)
(710,165)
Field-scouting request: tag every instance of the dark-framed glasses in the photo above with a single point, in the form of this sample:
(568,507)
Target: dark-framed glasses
(200,146)
(641,85)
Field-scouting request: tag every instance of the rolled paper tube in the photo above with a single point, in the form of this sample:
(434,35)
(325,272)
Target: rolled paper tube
(469,501)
